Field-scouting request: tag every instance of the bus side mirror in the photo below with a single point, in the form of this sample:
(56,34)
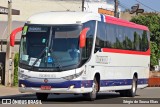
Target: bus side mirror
(13,34)
(82,39)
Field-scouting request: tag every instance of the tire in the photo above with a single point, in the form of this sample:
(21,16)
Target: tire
(42,96)
(131,92)
(92,95)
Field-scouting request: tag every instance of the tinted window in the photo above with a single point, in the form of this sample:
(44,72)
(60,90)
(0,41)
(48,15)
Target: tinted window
(86,51)
(119,31)
(101,35)
(111,37)
(137,41)
(120,37)
(144,42)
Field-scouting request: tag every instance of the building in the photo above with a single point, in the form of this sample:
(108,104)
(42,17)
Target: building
(30,7)
(95,5)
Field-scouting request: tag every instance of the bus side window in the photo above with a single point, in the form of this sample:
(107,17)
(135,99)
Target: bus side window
(110,36)
(137,41)
(145,43)
(101,36)
(86,51)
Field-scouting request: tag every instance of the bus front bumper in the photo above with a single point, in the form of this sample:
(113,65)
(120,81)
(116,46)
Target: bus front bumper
(74,86)
(56,90)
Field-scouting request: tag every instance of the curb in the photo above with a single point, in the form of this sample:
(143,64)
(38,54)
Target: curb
(17,96)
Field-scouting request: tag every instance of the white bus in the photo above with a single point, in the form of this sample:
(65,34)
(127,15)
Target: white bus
(79,52)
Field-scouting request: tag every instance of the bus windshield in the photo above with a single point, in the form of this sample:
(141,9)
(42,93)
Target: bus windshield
(50,46)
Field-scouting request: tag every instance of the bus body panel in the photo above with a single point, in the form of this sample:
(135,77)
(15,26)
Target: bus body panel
(120,69)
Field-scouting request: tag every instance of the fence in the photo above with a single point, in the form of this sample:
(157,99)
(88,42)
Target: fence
(154,80)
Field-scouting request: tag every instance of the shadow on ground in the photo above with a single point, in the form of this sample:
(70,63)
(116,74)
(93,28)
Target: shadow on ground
(102,98)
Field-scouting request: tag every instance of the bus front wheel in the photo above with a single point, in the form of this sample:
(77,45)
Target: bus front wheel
(92,95)
(42,96)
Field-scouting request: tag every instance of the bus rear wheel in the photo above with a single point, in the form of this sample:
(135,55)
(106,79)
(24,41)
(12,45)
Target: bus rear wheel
(42,96)
(131,92)
(92,96)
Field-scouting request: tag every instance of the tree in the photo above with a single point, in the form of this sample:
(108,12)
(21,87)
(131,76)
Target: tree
(152,20)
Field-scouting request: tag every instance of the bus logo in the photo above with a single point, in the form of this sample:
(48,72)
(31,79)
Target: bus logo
(45,80)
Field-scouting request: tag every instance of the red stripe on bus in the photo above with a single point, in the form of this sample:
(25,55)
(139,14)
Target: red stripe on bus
(117,21)
(126,51)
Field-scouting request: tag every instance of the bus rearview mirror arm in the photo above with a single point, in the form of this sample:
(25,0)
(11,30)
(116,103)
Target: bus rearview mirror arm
(13,35)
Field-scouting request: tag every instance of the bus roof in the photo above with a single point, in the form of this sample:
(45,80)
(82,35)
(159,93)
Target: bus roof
(121,22)
(62,18)
(59,18)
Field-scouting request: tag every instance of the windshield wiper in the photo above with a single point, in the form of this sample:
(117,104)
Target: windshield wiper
(46,50)
(39,57)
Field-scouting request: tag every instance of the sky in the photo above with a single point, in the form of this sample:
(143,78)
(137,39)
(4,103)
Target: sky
(147,5)
(153,4)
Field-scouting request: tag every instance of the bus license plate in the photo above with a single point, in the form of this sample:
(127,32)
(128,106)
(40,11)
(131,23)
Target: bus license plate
(45,87)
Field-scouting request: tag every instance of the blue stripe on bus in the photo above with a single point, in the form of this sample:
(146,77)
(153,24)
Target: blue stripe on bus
(84,83)
(121,82)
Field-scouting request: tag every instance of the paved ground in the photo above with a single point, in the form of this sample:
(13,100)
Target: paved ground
(6,92)
(102,98)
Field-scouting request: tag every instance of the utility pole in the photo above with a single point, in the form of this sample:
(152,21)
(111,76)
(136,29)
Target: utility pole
(8,62)
(82,5)
(116,8)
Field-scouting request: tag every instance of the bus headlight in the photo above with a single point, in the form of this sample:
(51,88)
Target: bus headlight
(22,76)
(70,77)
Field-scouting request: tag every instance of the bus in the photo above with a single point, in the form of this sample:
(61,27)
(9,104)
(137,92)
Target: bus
(82,53)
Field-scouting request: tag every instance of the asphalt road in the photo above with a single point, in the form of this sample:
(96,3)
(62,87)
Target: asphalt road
(143,97)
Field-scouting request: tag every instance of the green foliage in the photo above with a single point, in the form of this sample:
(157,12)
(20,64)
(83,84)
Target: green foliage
(152,20)
(154,50)
(16,59)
